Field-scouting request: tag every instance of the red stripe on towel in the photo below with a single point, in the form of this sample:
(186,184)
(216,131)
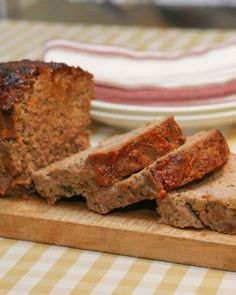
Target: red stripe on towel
(130,53)
(194,95)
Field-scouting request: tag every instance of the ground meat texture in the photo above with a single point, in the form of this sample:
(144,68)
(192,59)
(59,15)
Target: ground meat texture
(201,154)
(134,151)
(44,111)
(138,187)
(109,162)
(209,203)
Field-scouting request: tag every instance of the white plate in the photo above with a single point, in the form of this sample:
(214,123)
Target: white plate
(161,110)
(126,121)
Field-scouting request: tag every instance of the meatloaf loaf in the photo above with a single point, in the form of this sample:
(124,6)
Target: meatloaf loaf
(209,203)
(201,154)
(44,111)
(110,161)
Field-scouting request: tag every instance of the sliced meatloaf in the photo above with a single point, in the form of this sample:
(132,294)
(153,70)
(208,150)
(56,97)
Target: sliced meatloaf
(108,162)
(201,154)
(209,203)
(44,111)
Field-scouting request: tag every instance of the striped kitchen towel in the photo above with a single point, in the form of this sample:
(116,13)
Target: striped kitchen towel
(200,76)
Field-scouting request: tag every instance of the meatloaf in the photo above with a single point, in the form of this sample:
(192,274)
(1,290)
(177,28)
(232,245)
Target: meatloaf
(44,111)
(201,154)
(209,203)
(108,162)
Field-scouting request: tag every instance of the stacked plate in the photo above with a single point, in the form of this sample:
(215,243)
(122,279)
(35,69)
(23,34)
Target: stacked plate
(126,116)
(133,87)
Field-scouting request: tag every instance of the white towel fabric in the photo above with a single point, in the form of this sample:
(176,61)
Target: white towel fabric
(122,75)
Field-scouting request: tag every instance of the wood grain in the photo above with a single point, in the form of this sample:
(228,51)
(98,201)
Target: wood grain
(132,232)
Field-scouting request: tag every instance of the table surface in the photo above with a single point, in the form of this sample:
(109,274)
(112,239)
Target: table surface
(32,268)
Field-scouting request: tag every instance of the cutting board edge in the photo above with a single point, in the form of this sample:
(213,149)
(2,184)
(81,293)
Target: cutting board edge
(108,240)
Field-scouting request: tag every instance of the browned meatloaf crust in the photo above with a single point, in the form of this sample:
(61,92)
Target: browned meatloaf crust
(110,161)
(209,203)
(201,154)
(44,111)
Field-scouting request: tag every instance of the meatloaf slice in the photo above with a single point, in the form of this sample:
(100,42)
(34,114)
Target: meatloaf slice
(44,111)
(201,154)
(110,161)
(209,203)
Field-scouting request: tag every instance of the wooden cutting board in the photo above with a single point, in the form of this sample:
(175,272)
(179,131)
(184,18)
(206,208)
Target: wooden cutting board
(130,232)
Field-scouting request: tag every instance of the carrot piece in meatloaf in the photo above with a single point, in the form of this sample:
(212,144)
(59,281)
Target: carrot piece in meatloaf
(44,111)
(116,158)
(201,154)
(209,203)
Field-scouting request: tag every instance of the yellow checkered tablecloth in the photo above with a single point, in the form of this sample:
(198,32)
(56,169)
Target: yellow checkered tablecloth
(31,268)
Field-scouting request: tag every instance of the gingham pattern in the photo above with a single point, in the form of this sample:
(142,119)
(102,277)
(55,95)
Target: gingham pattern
(31,268)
